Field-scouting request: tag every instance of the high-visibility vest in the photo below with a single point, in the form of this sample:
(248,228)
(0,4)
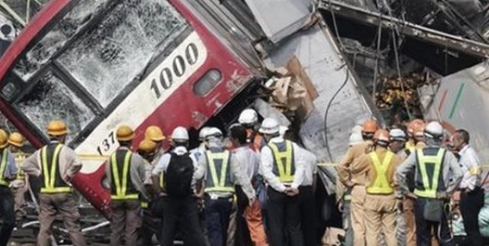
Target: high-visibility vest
(381,185)
(53,182)
(218,163)
(121,185)
(283,157)
(410,146)
(162,180)
(3,166)
(19,158)
(432,158)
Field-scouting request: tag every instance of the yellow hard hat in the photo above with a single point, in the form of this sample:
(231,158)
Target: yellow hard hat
(124,133)
(57,128)
(16,139)
(147,146)
(3,138)
(154,133)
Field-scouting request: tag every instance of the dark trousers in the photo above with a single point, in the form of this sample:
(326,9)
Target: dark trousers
(151,226)
(217,213)
(183,214)
(308,215)
(470,206)
(424,228)
(284,219)
(243,237)
(7,213)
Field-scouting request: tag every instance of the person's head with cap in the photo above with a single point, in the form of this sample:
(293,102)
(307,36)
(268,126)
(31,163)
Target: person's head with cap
(248,118)
(398,139)
(155,134)
(433,133)
(214,137)
(381,138)
(124,135)
(203,133)
(57,130)
(16,141)
(270,128)
(147,149)
(179,137)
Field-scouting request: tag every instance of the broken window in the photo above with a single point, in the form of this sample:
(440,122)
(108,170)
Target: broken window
(116,52)
(52,99)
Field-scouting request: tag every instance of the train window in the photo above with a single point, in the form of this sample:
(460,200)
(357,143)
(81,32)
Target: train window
(51,99)
(55,39)
(205,84)
(106,59)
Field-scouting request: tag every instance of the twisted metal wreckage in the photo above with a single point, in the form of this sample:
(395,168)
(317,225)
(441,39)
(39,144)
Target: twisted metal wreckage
(346,61)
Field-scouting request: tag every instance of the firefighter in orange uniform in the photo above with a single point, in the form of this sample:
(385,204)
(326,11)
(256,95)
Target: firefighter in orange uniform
(19,185)
(125,173)
(56,164)
(380,202)
(356,181)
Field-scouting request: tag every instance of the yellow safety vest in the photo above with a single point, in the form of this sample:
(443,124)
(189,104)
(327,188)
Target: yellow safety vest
(283,162)
(53,183)
(429,189)
(19,158)
(221,183)
(381,186)
(121,186)
(411,146)
(3,166)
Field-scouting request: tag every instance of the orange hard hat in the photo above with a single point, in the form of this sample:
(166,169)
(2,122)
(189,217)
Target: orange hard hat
(371,126)
(16,139)
(415,125)
(147,146)
(57,128)
(381,135)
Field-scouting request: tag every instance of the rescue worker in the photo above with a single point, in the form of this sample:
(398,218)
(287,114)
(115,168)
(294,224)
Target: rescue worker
(356,181)
(147,150)
(437,175)
(398,141)
(415,134)
(200,150)
(180,208)
(471,193)
(8,171)
(222,171)
(252,230)
(56,164)
(125,173)
(283,169)
(380,201)
(19,185)
(155,134)
(343,195)
(249,119)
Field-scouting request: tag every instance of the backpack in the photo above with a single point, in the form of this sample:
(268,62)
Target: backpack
(178,176)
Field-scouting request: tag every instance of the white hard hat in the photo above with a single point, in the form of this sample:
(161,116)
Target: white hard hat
(269,126)
(203,132)
(180,134)
(433,129)
(248,117)
(356,137)
(397,134)
(213,132)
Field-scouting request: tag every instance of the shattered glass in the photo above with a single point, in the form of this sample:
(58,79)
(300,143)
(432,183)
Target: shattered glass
(54,40)
(52,99)
(117,51)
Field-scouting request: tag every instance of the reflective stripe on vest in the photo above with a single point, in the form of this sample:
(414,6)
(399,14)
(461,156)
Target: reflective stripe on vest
(3,166)
(381,185)
(283,162)
(219,183)
(121,187)
(144,205)
(423,160)
(19,158)
(347,197)
(50,175)
(410,146)
(162,180)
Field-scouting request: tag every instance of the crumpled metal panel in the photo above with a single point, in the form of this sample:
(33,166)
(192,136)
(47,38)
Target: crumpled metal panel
(280,18)
(319,55)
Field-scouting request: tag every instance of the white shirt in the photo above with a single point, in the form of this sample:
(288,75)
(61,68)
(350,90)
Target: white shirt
(310,168)
(267,163)
(469,161)
(198,152)
(249,159)
(162,164)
